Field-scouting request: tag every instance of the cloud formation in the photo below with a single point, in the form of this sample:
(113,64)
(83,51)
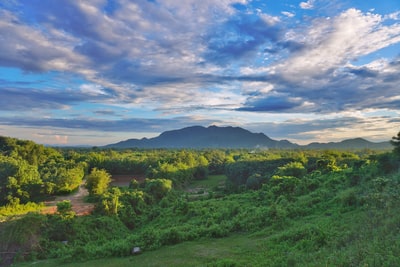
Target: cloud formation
(149,63)
(307,5)
(321,74)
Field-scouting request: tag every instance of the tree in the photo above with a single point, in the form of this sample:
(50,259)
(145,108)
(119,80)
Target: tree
(61,176)
(64,206)
(64,209)
(110,201)
(158,188)
(396,143)
(295,169)
(97,182)
(18,179)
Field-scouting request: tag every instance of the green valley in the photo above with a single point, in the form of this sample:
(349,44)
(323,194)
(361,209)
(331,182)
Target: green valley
(206,207)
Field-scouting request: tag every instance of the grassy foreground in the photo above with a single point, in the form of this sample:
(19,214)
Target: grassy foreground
(352,238)
(238,249)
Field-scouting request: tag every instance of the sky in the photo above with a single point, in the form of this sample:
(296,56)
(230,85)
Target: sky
(95,72)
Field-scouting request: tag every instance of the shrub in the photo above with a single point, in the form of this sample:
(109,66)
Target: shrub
(64,206)
(171,237)
(150,239)
(295,169)
(97,182)
(158,188)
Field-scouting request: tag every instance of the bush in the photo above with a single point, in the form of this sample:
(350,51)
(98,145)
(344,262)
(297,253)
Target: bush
(64,206)
(97,182)
(158,188)
(295,169)
(171,237)
(150,239)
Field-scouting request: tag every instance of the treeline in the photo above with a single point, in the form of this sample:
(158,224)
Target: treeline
(30,172)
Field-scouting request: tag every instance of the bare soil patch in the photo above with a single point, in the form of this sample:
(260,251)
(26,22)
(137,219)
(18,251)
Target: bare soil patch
(79,206)
(124,179)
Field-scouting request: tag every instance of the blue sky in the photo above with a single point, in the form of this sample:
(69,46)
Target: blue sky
(96,72)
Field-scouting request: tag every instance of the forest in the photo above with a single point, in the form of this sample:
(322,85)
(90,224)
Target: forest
(203,207)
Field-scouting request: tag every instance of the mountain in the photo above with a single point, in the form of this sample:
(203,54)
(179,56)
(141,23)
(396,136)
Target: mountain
(202,137)
(235,137)
(356,143)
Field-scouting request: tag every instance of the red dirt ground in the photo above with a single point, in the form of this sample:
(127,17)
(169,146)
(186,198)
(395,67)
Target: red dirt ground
(124,179)
(79,206)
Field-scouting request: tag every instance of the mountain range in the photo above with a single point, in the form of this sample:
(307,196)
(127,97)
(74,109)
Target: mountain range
(234,137)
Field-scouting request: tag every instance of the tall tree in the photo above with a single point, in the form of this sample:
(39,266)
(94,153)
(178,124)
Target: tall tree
(396,143)
(97,182)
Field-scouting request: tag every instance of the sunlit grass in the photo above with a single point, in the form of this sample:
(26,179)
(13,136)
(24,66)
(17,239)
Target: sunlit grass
(211,182)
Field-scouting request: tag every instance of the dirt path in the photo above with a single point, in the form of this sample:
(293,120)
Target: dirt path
(124,179)
(79,206)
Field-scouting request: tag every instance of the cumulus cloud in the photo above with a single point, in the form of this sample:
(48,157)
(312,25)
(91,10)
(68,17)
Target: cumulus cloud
(288,14)
(191,57)
(30,49)
(141,42)
(329,128)
(307,5)
(320,77)
(239,38)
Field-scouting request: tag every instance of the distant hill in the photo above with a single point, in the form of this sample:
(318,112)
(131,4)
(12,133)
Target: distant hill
(234,137)
(210,137)
(356,143)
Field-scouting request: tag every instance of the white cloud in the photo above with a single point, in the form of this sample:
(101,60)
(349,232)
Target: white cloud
(92,89)
(307,5)
(288,14)
(393,16)
(330,43)
(271,20)
(151,55)
(30,49)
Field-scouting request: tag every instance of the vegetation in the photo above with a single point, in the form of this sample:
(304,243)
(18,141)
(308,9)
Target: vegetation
(202,207)
(97,182)
(396,143)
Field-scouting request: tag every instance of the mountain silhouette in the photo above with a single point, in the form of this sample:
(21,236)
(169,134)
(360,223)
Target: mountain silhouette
(210,137)
(234,137)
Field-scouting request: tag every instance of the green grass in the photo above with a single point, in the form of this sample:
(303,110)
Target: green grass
(210,183)
(237,249)
(336,239)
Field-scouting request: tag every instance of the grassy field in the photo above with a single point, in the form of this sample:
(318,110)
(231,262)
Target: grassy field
(237,250)
(211,183)
(337,239)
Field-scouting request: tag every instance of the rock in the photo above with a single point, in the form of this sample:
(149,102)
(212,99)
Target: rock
(136,250)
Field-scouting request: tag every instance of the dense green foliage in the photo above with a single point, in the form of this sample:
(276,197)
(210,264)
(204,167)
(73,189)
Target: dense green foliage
(30,172)
(97,182)
(297,208)
(396,143)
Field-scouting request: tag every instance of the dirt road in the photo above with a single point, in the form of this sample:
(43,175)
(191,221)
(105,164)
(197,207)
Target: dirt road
(79,206)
